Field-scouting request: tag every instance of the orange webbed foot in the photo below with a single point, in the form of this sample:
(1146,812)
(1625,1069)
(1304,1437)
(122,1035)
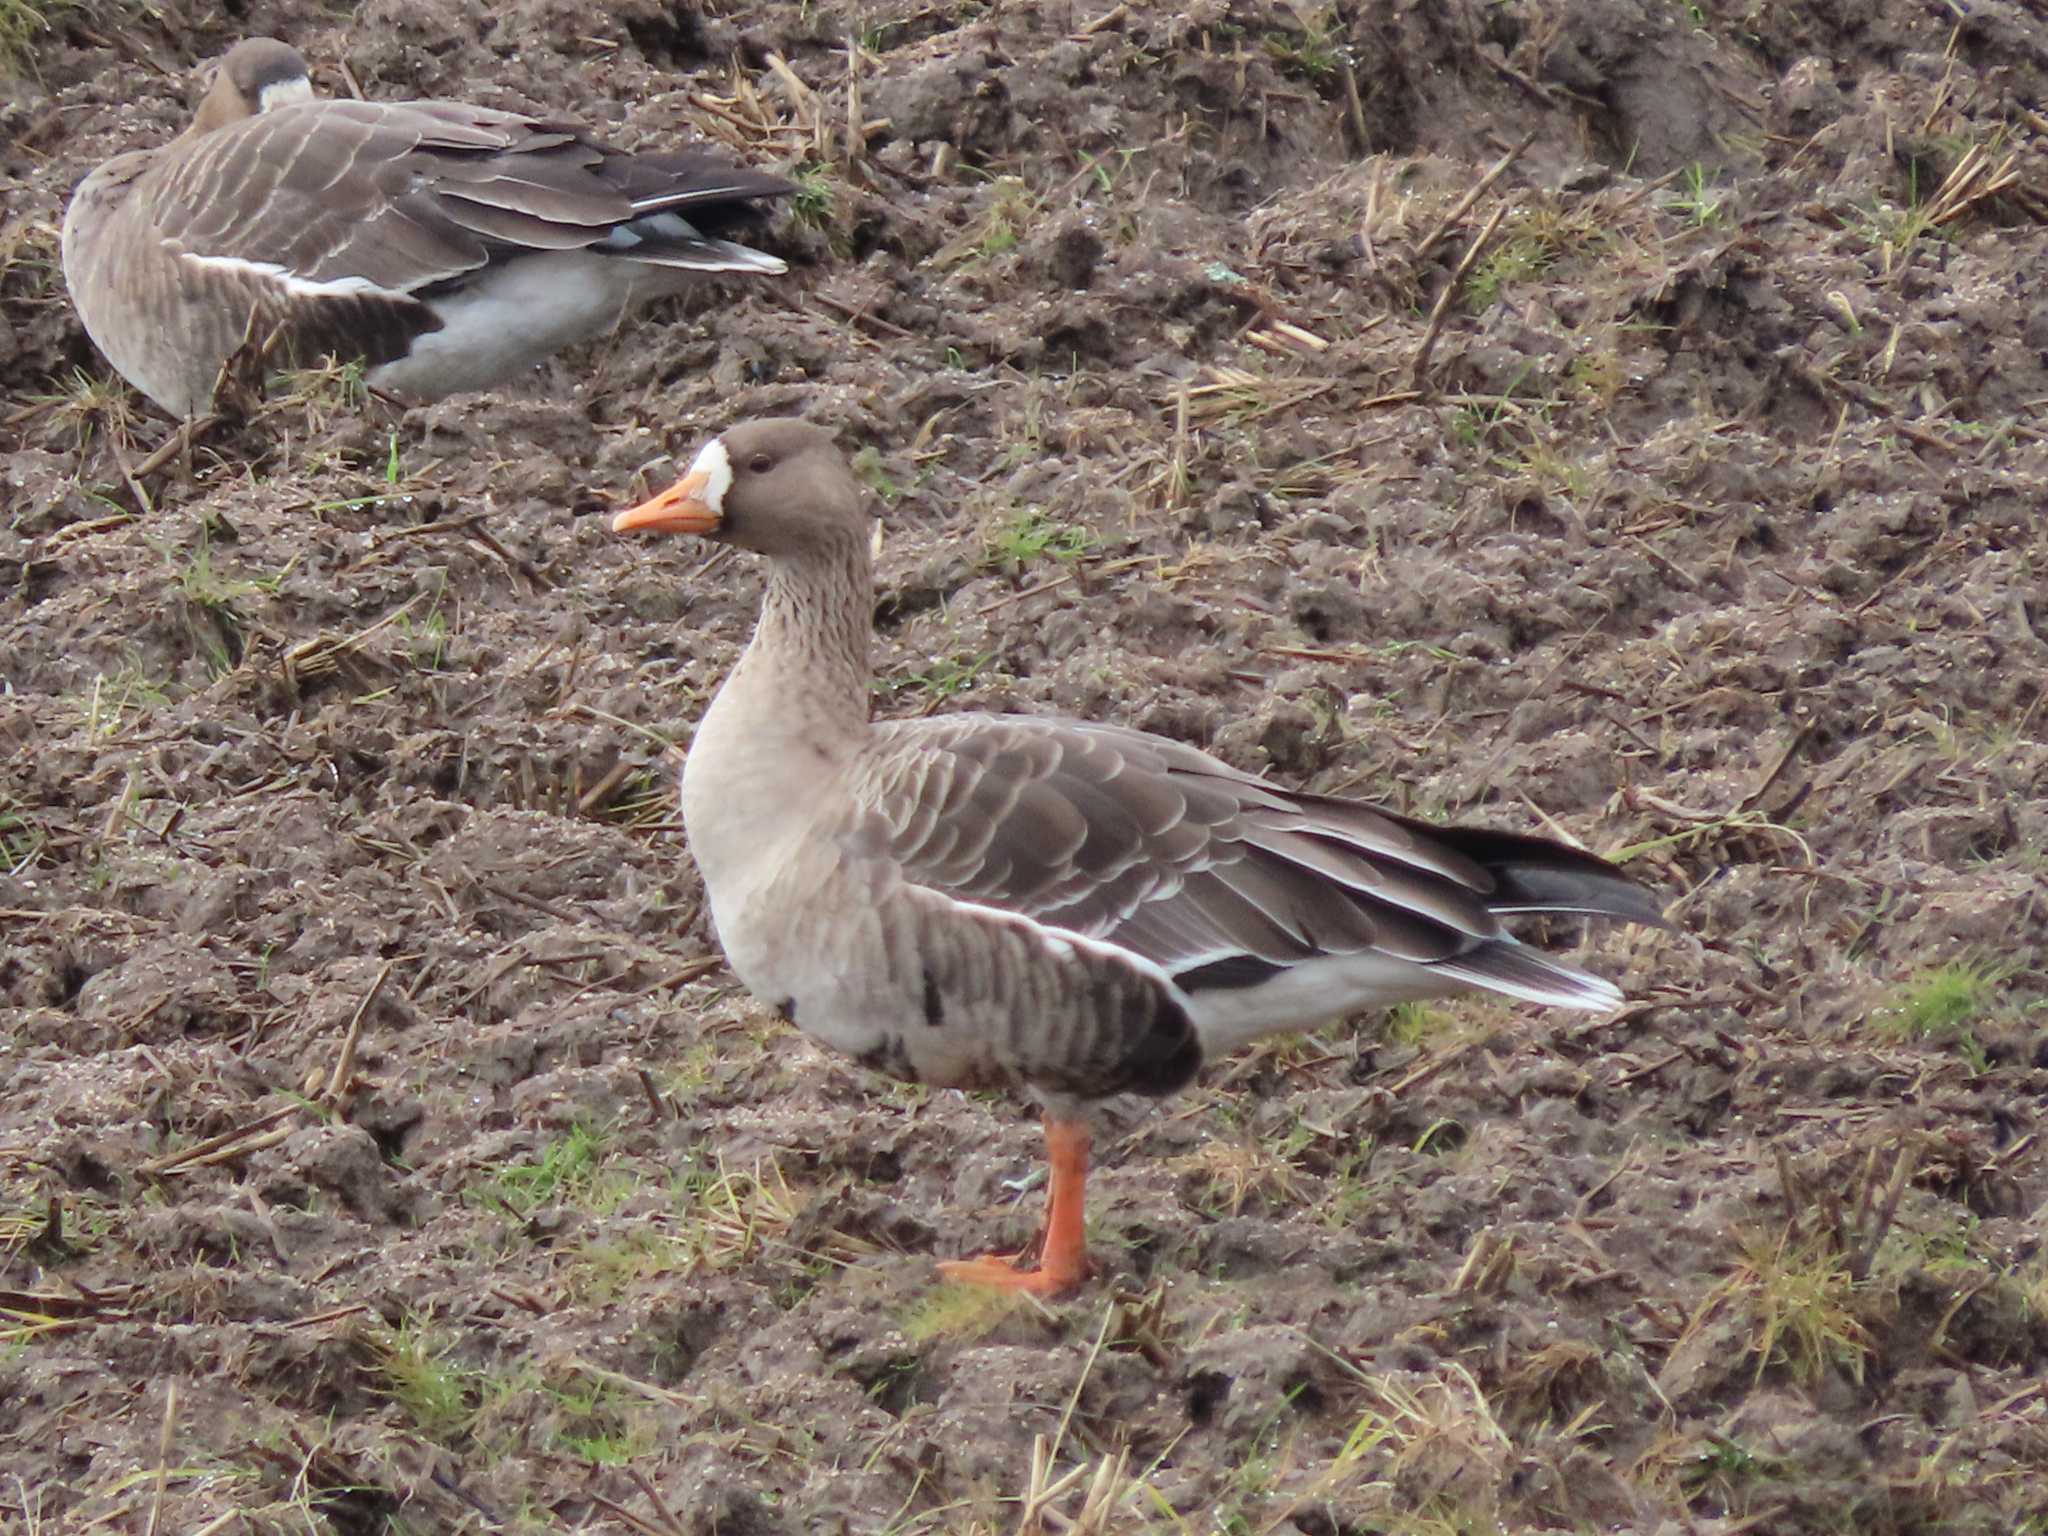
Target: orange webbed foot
(1000,1272)
(1063,1250)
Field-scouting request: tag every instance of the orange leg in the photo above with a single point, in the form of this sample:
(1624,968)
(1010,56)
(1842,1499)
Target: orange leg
(1063,1256)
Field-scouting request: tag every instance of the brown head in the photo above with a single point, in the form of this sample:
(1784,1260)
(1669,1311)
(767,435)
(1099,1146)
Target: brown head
(780,487)
(257,74)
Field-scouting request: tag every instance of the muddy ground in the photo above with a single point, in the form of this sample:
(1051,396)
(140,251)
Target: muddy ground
(383,1146)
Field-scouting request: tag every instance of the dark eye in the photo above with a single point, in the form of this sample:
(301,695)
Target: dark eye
(760,464)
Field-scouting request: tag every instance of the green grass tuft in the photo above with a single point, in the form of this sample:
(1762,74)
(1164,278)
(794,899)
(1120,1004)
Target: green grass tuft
(867,468)
(571,1171)
(817,196)
(1700,203)
(963,1314)
(944,677)
(436,1393)
(21,22)
(1947,1006)
(21,837)
(1029,534)
(1942,1003)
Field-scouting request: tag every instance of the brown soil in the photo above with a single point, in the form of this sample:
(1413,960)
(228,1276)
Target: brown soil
(1701,521)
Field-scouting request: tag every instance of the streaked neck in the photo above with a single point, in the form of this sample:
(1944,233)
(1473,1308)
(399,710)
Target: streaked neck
(808,659)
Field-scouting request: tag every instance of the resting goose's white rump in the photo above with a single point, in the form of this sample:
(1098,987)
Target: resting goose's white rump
(1067,908)
(445,246)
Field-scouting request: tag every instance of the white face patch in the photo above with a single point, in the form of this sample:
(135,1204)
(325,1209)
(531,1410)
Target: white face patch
(283,93)
(715,465)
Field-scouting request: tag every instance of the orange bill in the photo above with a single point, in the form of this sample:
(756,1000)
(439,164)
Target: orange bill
(679,509)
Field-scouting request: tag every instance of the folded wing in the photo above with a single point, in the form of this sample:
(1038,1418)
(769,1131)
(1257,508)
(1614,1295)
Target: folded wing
(1235,887)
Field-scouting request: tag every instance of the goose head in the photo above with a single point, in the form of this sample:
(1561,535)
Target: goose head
(254,76)
(779,487)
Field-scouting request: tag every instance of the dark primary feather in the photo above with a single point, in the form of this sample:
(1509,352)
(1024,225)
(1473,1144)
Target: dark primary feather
(1534,874)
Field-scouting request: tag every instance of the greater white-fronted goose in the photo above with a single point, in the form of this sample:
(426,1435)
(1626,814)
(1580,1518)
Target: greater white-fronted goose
(1073,909)
(445,246)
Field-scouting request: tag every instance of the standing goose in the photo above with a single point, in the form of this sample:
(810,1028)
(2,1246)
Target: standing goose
(446,246)
(1073,909)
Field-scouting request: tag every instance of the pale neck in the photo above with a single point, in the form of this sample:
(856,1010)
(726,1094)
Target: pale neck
(810,648)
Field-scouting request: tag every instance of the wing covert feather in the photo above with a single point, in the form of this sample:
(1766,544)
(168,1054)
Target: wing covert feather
(1153,845)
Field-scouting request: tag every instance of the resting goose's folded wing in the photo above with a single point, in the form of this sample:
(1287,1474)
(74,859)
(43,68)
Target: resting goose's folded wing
(393,195)
(365,228)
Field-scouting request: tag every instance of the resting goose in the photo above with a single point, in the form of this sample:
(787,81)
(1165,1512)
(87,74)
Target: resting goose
(444,245)
(1072,909)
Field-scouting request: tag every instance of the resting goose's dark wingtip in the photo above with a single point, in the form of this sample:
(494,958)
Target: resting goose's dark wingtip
(1576,893)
